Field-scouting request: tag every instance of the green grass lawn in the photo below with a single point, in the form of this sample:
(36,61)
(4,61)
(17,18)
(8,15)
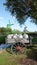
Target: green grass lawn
(12,59)
(9,59)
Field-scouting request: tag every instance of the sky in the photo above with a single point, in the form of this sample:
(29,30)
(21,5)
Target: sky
(5,16)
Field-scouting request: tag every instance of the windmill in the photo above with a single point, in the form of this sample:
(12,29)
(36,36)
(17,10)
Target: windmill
(9,24)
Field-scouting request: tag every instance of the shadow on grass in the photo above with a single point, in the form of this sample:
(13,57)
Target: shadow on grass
(9,50)
(32,54)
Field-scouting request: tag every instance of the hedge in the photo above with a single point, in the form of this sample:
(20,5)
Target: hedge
(2,39)
(34,39)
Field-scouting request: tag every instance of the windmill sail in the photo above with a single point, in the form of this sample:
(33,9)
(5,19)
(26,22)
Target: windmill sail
(9,24)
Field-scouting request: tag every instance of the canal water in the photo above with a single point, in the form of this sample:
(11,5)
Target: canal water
(4,46)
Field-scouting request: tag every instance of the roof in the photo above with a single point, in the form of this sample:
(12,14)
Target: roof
(32,34)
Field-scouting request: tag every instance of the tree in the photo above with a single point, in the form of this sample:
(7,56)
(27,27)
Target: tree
(5,31)
(15,31)
(25,28)
(23,9)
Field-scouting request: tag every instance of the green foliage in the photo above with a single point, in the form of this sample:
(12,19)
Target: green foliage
(34,39)
(5,31)
(16,31)
(23,9)
(2,39)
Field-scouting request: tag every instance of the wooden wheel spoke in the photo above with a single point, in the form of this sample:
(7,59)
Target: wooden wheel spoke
(18,47)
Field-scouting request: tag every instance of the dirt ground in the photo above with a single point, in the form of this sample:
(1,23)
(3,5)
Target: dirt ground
(27,61)
(1,51)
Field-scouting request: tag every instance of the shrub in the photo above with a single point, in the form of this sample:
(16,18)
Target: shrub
(2,39)
(34,39)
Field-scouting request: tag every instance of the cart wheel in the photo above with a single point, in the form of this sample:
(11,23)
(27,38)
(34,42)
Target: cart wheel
(18,48)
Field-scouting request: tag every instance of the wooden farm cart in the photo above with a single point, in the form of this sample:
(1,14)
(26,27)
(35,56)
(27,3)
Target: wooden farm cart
(19,42)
